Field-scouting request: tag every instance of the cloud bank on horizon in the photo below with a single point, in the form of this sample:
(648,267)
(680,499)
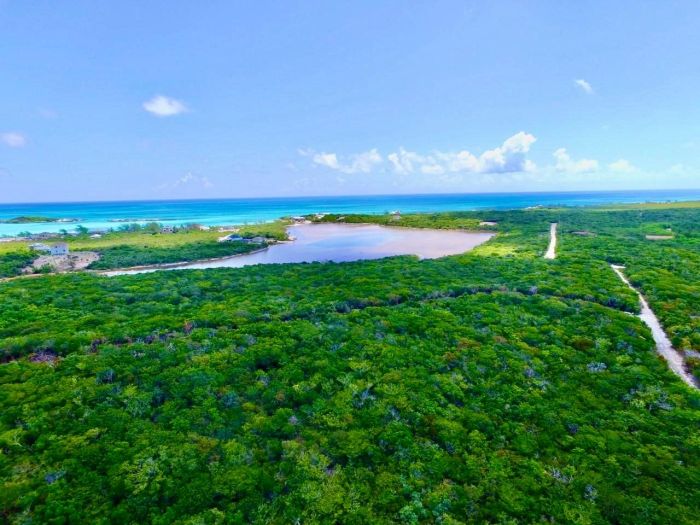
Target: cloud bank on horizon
(509,157)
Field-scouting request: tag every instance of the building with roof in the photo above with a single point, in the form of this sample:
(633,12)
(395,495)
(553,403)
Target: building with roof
(60,248)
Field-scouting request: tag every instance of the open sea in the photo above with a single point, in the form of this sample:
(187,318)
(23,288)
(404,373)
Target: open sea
(99,215)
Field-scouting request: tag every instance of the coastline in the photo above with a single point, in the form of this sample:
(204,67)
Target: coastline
(175,212)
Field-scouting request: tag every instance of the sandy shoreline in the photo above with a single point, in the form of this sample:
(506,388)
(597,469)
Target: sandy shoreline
(340,242)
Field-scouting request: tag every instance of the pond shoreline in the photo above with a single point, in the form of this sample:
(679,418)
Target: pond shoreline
(169,266)
(340,242)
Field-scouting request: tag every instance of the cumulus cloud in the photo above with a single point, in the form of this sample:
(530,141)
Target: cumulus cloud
(509,157)
(565,163)
(408,161)
(162,106)
(622,166)
(188,179)
(13,139)
(584,85)
(358,163)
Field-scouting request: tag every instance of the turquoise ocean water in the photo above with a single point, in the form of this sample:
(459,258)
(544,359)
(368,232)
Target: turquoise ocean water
(238,211)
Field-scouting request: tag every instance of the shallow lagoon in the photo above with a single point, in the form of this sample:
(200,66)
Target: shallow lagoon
(345,242)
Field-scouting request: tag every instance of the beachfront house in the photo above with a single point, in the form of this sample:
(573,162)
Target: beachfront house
(60,248)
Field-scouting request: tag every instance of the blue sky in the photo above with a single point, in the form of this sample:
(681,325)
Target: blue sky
(145,100)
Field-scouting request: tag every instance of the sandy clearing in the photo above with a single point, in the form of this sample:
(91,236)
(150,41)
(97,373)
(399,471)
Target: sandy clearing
(552,250)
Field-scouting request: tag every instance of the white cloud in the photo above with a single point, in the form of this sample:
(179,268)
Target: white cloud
(406,161)
(13,139)
(567,164)
(622,166)
(584,85)
(432,169)
(188,179)
(509,157)
(329,160)
(162,106)
(358,163)
(450,166)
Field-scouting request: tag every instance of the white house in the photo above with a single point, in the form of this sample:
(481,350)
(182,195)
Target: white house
(60,248)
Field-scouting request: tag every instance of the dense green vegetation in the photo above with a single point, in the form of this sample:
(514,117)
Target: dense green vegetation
(135,245)
(490,387)
(123,256)
(667,272)
(11,263)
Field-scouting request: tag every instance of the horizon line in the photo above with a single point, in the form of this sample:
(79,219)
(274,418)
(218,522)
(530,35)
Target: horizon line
(290,197)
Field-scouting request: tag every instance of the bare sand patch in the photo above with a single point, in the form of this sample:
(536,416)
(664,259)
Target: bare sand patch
(65,263)
(659,237)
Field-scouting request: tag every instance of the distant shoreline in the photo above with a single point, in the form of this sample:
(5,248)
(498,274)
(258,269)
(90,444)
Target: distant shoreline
(106,215)
(357,196)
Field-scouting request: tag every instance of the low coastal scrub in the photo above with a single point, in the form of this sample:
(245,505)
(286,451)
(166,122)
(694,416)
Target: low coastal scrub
(125,256)
(12,263)
(667,273)
(136,245)
(489,387)
(456,410)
